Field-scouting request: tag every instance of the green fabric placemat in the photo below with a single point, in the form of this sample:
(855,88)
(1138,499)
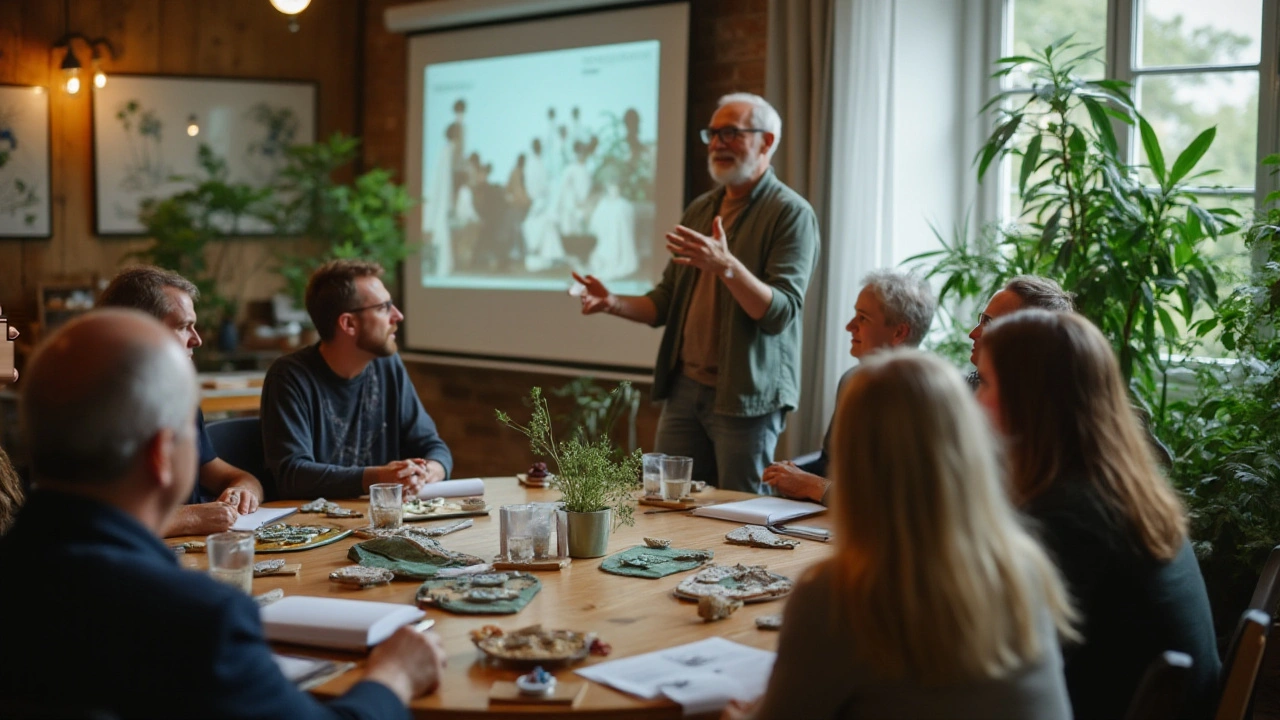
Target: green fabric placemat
(452,594)
(647,562)
(408,559)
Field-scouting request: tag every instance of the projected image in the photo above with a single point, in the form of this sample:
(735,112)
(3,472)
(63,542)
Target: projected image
(538,164)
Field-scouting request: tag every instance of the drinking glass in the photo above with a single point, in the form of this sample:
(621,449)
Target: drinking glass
(386,505)
(541,520)
(677,476)
(519,530)
(653,474)
(231,559)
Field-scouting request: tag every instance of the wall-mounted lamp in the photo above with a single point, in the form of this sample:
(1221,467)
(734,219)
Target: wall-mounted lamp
(291,8)
(193,127)
(71,66)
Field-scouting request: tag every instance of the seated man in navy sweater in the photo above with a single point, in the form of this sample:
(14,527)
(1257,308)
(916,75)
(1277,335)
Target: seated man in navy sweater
(116,626)
(342,415)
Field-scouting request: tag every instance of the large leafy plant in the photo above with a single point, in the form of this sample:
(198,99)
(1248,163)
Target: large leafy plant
(1129,240)
(588,473)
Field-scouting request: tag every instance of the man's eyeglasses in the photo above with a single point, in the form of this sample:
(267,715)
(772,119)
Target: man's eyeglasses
(726,134)
(384,306)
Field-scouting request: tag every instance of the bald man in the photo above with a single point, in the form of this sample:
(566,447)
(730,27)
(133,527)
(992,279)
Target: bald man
(116,626)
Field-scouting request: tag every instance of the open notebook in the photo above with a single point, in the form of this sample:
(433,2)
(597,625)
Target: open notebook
(334,622)
(260,517)
(452,488)
(765,511)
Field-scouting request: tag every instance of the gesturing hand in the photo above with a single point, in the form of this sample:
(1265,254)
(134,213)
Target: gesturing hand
(690,247)
(597,297)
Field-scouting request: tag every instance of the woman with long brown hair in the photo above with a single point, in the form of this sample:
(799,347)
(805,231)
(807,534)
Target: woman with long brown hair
(937,603)
(1080,465)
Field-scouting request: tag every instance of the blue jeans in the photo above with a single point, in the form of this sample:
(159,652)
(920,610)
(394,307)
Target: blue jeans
(729,452)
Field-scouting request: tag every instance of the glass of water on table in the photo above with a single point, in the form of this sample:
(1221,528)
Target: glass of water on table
(677,477)
(231,558)
(653,474)
(386,505)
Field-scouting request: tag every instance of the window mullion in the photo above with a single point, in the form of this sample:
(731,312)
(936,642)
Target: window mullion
(1120,45)
(1268,98)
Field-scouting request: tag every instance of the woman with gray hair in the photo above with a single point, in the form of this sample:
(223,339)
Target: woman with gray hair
(894,309)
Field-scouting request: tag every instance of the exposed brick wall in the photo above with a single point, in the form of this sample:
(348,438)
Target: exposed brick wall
(727,53)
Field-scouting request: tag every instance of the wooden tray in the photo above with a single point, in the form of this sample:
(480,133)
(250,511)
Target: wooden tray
(552,564)
(413,517)
(671,504)
(505,692)
(523,478)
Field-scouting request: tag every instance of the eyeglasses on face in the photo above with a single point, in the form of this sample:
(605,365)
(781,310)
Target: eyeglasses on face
(726,134)
(384,306)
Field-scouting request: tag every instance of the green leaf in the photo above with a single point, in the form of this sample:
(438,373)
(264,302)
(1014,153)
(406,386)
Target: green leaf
(1029,159)
(1155,158)
(1102,125)
(1189,157)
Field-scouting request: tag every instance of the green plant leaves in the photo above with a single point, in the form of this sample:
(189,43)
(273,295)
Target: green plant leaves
(1190,156)
(1151,144)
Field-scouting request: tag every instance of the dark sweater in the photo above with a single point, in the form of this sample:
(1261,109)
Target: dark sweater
(1133,607)
(320,431)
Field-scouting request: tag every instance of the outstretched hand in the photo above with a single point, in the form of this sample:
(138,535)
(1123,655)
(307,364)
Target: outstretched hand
(597,297)
(690,247)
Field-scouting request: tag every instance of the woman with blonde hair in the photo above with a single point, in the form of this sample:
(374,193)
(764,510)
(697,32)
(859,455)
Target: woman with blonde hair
(1081,466)
(937,603)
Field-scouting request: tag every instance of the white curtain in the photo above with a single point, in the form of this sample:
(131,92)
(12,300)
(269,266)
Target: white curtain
(858,219)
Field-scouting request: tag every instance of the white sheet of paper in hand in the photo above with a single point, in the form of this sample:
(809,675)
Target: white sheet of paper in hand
(452,489)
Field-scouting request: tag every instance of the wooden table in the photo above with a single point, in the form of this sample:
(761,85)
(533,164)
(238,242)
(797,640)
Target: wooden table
(633,615)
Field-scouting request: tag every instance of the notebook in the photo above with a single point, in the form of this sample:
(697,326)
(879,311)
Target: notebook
(765,511)
(452,489)
(334,622)
(306,673)
(261,517)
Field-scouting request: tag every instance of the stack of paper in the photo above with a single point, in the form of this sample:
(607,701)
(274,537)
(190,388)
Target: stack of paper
(702,676)
(334,622)
(452,488)
(307,673)
(765,511)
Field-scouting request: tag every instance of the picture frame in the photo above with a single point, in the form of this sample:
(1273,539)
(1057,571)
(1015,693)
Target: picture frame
(26,161)
(148,130)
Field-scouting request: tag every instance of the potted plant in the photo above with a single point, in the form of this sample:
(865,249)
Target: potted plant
(597,490)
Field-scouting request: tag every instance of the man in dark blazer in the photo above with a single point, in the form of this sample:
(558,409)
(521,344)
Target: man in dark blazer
(99,615)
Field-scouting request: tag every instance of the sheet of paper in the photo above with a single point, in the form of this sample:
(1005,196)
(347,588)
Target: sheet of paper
(700,676)
(452,489)
(308,672)
(334,622)
(760,511)
(261,516)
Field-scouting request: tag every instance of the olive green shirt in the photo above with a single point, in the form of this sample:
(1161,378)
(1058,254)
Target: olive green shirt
(776,239)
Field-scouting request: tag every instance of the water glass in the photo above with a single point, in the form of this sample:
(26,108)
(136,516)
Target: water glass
(386,505)
(541,520)
(519,532)
(231,559)
(653,474)
(677,476)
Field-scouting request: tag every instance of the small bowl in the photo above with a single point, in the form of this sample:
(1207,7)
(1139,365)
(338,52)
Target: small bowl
(528,685)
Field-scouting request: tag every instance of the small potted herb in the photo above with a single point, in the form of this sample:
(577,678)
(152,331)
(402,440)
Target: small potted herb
(597,491)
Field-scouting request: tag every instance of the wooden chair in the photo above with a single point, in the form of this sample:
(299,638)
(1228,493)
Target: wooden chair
(1163,687)
(1267,591)
(1240,671)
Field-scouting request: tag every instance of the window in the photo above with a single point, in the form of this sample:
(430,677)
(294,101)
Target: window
(1193,65)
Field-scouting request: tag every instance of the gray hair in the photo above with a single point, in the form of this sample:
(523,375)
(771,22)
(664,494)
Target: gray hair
(89,429)
(906,298)
(763,115)
(1041,293)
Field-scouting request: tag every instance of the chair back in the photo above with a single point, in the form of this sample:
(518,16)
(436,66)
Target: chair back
(1268,589)
(1163,687)
(1240,671)
(238,441)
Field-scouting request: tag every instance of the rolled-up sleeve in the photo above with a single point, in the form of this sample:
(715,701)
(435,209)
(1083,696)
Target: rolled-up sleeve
(789,266)
(661,295)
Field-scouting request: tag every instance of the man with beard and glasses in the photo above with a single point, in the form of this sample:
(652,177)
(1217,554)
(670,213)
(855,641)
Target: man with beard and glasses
(170,298)
(341,415)
(732,301)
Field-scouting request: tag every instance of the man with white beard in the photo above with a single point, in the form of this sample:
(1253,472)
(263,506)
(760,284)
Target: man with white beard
(731,300)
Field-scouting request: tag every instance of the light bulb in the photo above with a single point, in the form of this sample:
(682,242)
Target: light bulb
(290,7)
(99,79)
(193,128)
(73,84)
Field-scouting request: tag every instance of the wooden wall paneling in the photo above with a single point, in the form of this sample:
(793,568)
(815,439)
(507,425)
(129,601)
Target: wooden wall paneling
(10,71)
(179,49)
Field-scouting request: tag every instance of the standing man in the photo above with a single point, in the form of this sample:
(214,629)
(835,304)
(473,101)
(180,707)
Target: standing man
(341,415)
(107,413)
(731,300)
(170,298)
(894,309)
